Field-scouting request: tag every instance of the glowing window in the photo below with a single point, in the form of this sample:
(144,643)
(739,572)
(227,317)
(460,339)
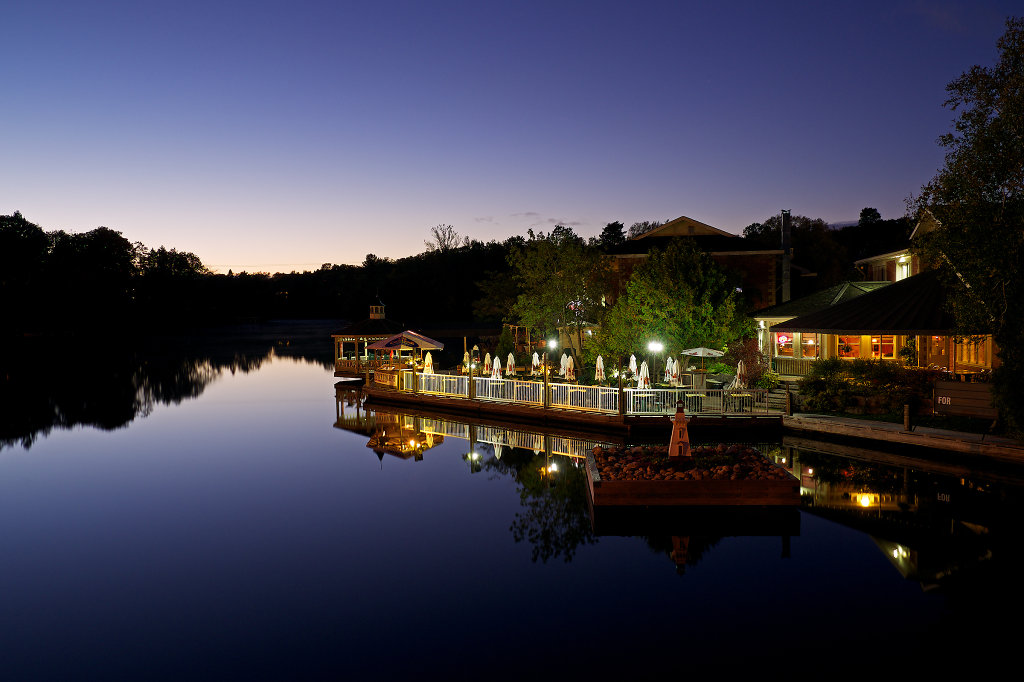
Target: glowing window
(849,346)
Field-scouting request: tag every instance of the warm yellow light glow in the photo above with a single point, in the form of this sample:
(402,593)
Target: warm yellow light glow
(810,471)
(783,460)
(865,500)
(552,343)
(895,554)
(553,467)
(412,443)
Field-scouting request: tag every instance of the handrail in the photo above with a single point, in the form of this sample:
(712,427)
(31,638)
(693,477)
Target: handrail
(598,399)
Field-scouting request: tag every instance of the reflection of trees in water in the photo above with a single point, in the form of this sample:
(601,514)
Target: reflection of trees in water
(63,384)
(554,518)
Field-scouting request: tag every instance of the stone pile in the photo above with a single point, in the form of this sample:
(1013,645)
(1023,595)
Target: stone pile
(724,463)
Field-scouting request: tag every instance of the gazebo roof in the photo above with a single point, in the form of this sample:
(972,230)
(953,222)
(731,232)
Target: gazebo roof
(407,340)
(370,328)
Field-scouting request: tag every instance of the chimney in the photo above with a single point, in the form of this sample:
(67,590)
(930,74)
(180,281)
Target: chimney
(787,252)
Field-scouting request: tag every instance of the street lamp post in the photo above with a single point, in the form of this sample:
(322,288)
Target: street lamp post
(655,347)
(547,364)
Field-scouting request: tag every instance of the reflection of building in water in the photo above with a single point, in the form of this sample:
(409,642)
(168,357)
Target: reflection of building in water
(409,435)
(931,520)
(399,435)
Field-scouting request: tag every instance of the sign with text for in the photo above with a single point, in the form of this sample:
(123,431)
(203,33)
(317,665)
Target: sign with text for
(960,399)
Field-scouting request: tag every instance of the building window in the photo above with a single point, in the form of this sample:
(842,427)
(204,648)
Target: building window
(883,347)
(849,346)
(784,344)
(809,345)
(972,353)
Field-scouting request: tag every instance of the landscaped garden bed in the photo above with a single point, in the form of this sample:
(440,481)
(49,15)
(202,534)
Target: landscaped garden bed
(714,475)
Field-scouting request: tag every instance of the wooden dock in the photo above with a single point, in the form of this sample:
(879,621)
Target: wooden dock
(710,425)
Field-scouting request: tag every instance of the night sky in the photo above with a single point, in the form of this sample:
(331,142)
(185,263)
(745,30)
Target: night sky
(281,135)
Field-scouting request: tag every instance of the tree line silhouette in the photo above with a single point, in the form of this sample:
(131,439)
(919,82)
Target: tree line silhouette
(65,283)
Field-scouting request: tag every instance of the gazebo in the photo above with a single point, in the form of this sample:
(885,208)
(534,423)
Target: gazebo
(355,359)
(409,341)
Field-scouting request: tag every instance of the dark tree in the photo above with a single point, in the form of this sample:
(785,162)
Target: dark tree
(974,208)
(612,235)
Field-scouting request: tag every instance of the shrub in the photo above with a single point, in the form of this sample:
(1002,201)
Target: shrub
(767,380)
(721,368)
(832,385)
(756,362)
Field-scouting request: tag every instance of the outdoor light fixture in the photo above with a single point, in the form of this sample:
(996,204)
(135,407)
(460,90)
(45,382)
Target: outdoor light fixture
(552,343)
(655,347)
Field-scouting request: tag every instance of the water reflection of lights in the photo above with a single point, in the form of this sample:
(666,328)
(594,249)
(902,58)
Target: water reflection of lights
(867,499)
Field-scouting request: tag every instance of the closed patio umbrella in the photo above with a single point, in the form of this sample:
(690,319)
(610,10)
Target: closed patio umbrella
(536,363)
(632,364)
(675,372)
(428,364)
(510,366)
(570,369)
(668,370)
(496,369)
(565,359)
(487,363)
(599,369)
(741,374)
(644,377)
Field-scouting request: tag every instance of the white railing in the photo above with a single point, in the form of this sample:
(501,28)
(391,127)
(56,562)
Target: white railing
(588,398)
(695,401)
(444,384)
(510,390)
(600,399)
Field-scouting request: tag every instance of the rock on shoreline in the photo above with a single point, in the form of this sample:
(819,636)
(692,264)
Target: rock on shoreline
(652,463)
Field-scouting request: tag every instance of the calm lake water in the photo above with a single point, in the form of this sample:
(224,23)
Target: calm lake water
(226,527)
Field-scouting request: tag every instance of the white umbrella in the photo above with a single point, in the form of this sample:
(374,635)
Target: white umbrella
(599,369)
(741,375)
(644,377)
(565,359)
(536,363)
(428,364)
(702,352)
(675,372)
(668,370)
(570,369)
(465,359)
(510,366)
(632,364)
(487,363)
(496,369)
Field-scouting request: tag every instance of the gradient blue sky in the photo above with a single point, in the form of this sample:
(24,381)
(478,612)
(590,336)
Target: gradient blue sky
(281,135)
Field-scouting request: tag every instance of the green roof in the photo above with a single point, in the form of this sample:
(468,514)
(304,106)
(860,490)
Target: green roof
(819,300)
